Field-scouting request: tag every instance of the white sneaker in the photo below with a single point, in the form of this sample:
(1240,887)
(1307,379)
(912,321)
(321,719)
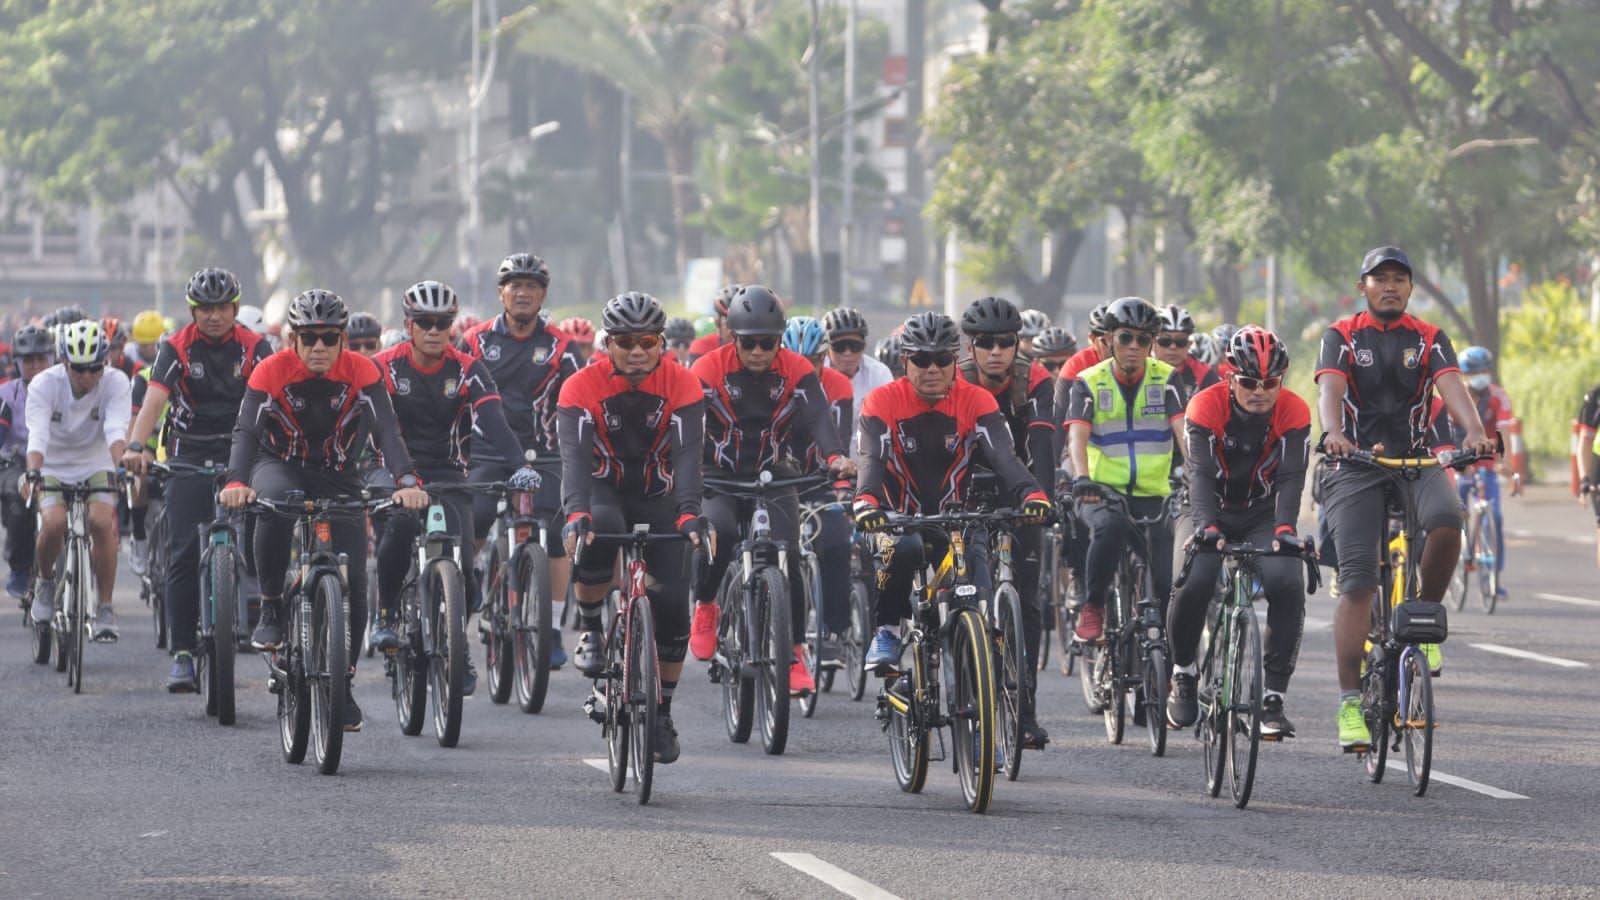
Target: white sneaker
(138,558)
(43,600)
(105,626)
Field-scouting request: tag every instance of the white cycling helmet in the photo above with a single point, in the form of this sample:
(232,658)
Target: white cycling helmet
(83,343)
(393,336)
(252,318)
(430,298)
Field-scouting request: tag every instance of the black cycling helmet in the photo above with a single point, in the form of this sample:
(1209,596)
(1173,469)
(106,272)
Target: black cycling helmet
(679,331)
(887,350)
(524,265)
(212,287)
(31,340)
(931,331)
(633,313)
(844,320)
(1176,318)
(1033,322)
(755,310)
(1133,313)
(365,325)
(1097,319)
(724,297)
(991,315)
(1054,340)
(429,298)
(1255,352)
(318,307)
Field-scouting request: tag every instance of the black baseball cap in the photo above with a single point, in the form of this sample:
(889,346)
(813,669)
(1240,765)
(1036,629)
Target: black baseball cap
(1377,256)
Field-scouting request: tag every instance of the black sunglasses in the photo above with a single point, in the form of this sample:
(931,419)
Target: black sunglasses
(630,341)
(1127,338)
(848,345)
(765,342)
(1258,384)
(433,323)
(924,359)
(991,341)
(1052,365)
(92,369)
(313,338)
(1172,342)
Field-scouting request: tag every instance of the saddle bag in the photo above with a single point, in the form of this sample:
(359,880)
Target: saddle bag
(1420,622)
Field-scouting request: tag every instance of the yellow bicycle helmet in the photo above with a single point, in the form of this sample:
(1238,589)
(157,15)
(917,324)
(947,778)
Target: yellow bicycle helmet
(148,327)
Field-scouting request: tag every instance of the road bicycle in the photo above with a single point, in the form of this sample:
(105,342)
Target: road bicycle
(76,601)
(950,681)
(515,623)
(1479,566)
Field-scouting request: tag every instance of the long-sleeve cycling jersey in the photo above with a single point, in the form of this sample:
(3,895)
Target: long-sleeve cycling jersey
(530,373)
(1192,377)
(644,441)
(1241,462)
(14,400)
(751,417)
(917,457)
(841,407)
(204,381)
(439,408)
(321,422)
(1030,411)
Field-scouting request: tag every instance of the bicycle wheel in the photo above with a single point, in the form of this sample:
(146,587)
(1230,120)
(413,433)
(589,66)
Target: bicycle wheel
(1153,694)
(1215,695)
(617,725)
(327,671)
(294,692)
(1088,677)
(1049,554)
(1461,581)
(1377,705)
(1244,719)
(1066,609)
(769,600)
(534,635)
(444,636)
(222,645)
(1416,724)
(971,699)
(905,697)
(738,687)
(40,632)
(643,691)
(811,579)
(408,668)
(78,616)
(156,569)
(1488,563)
(498,652)
(1010,676)
(856,640)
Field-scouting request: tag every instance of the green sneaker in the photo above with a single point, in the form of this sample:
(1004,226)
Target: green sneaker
(1353,733)
(1435,655)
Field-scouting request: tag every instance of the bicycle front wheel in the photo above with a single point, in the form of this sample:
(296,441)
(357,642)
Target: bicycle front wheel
(445,637)
(1215,695)
(535,634)
(904,697)
(223,646)
(1488,563)
(1153,694)
(644,694)
(856,640)
(408,667)
(769,601)
(1011,676)
(498,652)
(294,694)
(328,671)
(1244,719)
(78,616)
(1416,724)
(738,687)
(971,709)
(618,724)
(811,579)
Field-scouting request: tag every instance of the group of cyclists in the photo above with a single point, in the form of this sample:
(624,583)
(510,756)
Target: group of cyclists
(639,410)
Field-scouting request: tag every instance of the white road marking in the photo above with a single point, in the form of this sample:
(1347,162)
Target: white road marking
(1529,654)
(1313,624)
(1488,790)
(1569,538)
(1563,598)
(151,834)
(600,763)
(834,877)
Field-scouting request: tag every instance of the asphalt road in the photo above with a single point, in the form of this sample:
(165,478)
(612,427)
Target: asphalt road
(129,791)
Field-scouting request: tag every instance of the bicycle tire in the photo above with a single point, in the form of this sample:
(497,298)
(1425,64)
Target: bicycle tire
(770,599)
(294,695)
(1010,676)
(971,707)
(327,671)
(446,605)
(907,730)
(224,588)
(1153,694)
(43,640)
(1416,730)
(78,618)
(1088,677)
(617,725)
(738,686)
(1376,701)
(1244,720)
(1488,574)
(155,568)
(534,636)
(408,668)
(1066,624)
(498,654)
(644,695)
(856,640)
(1214,691)
(1049,558)
(811,579)
(374,605)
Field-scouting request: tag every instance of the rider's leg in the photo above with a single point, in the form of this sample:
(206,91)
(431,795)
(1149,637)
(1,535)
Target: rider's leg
(1109,531)
(188,507)
(1187,615)
(547,503)
(1161,540)
(1438,513)
(784,510)
(1354,512)
(272,480)
(350,538)
(723,514)
(395,546)
(898,559)
(52,534)
(103,548)
(833,557)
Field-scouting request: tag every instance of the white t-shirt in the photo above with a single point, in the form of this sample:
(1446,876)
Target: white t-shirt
(75,434)
(869,377)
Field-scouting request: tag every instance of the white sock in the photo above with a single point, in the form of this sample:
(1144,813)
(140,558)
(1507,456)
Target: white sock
(1278,694)
(1189,670)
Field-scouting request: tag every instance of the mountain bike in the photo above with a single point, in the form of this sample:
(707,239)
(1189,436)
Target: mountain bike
(515,623)
(1479,566)
(854,642)
(817,635)
(950,681)
(76,601)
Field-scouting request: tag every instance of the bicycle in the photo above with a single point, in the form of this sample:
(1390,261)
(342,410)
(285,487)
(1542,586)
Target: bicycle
(854,642)
(1061,589)
(1130,663)
(626,696)
(428,669)
(310,672)
(1479,565)
(152,590)
(948,624)
(515,626)
(816,633)
(76,601)
(754,643)
(1230,685)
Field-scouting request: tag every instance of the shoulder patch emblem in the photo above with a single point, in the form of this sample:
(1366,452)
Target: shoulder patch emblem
(402,386)
(1103,399)
(1411,357)
(491,352)
(197,370)
(541,355)
(1364,357)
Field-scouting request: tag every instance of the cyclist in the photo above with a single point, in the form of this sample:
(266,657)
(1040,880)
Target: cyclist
(760,398)
(1023,390)
(252,318)
(34,351)
(147,330)
(847,354)
(1249,443)
(1034,323)
(1052,348)
(1376,376)
(441,398)
(1203,346)
(719,333)
(583,336)
(632,430)
(1122,416)
(529,359)
(920,436)
(1093,353)
(117,336)
(306,416)
(195,385)
(1494,410)
(365,334)
(680,334)
(77,410)
(1587,460)
(1172,347)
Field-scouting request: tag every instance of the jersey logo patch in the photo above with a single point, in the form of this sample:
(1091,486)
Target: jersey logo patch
(541,355)
(198,370)
(775,393)
(1102,399)
(1410,358)
(950,441)
(402,385)
(1363,357)
(492,352)
(910,443)
(1152,395)
(450,387)
(734,392)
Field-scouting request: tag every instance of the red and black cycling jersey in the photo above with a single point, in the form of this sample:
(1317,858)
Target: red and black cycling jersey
(644,441)
(751,417)
(917,457)
(204,380)
(1066,376)
(841,412)
(1391,368)
(316,421)
(1589,412)
(704,344)
(1032,420)
(1242,463)
(437,408)
(1193,377)
(530,372)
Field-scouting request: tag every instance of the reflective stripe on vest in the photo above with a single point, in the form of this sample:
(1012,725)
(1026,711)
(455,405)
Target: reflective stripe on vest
(1130,449)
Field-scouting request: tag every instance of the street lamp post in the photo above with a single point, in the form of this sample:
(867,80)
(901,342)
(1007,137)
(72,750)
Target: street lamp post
(815,210)
(847,200)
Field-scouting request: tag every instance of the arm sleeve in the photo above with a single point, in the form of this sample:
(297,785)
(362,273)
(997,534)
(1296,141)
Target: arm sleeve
(1062,395)
(40,402)
(1291,477)
(167,370)
(1200,467)
(874,439)
(385,430)
(994,437)
(1042,433)
(117,405)
(816,416)
(1332,355)
(575,438)
(489,413)
(246,436)
(687,432)
(1080,404)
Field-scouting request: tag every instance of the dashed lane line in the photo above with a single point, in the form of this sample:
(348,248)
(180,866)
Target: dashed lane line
(1529,654)
(834,877)
(1571,601)
(1488,790)
(600,763)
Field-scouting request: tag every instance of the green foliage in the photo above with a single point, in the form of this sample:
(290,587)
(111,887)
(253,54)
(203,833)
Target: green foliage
(1550,355)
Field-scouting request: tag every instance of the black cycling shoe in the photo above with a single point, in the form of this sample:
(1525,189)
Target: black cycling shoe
(1034,737)
(384,638)
(352,712)
(268,634)
(1275,726)
(667,748)
(1182,707)
(469,682)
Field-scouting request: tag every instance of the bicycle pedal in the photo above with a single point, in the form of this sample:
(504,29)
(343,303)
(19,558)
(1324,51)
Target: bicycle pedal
(1274,738)
(1359,749)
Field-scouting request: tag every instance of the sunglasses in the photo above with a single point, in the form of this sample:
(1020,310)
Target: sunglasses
(848,345)
(924,359)
(433,323)
(93,369)
(1052,365)
(766,342)
(313,338)
(364,346)
(630,341)
(1258,384)
(991,341)
(1172,342)
(1128,338)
